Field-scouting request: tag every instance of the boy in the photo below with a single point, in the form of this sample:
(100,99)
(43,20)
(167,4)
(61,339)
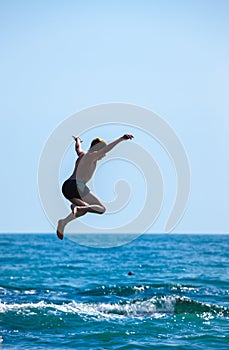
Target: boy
(75,188)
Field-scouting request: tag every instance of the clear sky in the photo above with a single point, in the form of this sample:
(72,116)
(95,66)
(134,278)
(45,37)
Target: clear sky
(60,57)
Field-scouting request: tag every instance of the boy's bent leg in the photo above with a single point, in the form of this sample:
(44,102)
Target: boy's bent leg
(90,203)
(94,204)
(77,207)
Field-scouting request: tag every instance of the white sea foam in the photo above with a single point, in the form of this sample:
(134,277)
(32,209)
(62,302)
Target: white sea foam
(144,308)
(154,307)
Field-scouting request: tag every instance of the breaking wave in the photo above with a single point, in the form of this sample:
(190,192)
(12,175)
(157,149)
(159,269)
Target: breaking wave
(157,306)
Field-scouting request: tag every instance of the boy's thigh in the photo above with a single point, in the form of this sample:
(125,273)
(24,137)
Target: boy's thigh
(91,198)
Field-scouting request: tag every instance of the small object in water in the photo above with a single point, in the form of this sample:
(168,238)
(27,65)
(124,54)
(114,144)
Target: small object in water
(130,273)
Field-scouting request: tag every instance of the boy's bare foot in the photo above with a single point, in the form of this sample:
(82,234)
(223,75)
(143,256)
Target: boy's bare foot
(74,209)
(60,229)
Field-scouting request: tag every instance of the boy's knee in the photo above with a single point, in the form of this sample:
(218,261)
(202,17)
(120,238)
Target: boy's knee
(103,209)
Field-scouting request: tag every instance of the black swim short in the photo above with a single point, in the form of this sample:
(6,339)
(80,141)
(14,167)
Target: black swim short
(74,189)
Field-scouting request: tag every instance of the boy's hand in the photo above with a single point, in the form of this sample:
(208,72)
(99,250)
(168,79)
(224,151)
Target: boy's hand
(128,137)
(77,138)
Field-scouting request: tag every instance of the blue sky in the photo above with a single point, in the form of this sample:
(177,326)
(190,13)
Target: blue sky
(60,57)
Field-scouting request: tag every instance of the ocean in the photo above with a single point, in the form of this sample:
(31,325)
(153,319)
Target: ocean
(61,295)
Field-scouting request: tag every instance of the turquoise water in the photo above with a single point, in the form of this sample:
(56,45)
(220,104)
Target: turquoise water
(59,295)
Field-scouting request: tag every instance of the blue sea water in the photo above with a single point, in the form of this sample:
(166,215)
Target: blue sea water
(60,295)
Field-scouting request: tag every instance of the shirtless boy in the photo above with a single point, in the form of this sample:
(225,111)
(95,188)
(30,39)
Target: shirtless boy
(75,188)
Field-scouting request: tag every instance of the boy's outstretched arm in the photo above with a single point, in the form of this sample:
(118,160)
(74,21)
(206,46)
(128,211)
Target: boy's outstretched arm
(111,145)
(78,148)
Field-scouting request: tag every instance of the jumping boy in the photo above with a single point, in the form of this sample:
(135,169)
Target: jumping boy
(75,188)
